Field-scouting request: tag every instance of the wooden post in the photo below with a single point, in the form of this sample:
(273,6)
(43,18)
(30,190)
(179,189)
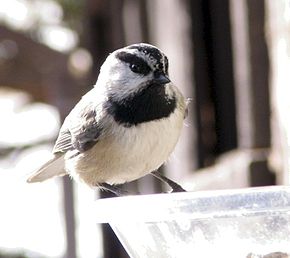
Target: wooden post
(251,71)
(278,28)
(251,74)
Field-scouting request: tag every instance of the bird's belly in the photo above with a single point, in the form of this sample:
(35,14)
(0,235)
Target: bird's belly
(128,153)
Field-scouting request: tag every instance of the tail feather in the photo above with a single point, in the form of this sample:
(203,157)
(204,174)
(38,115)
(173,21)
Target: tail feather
(54,167)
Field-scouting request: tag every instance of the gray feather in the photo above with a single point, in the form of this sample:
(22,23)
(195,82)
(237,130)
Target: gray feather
(80,130)
(52,168)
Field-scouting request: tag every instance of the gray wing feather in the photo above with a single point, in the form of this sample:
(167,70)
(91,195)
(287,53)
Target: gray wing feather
(53,167)
(63,142)
(80,130)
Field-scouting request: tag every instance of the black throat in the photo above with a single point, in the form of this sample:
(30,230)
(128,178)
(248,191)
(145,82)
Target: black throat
(149,104)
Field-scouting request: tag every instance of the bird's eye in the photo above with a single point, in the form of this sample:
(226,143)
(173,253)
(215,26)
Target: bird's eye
(135,68)
(136,64)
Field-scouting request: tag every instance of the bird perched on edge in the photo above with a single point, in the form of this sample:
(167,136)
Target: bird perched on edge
(125,127)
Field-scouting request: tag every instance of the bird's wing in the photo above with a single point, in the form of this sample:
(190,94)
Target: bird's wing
(80,131)
(53,167)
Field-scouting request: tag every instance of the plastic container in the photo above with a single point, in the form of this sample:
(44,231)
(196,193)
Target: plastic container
(252,223)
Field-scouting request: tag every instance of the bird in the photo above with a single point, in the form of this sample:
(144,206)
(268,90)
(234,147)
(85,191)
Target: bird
(125,127)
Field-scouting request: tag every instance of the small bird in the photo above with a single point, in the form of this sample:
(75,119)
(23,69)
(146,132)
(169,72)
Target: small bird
(123,128)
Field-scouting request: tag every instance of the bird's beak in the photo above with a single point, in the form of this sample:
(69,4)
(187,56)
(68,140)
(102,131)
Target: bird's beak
(161,78)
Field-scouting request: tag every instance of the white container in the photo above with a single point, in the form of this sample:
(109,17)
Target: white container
(241,223)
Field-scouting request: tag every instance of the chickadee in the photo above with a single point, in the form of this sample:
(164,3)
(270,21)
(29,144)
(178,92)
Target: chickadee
(125,127)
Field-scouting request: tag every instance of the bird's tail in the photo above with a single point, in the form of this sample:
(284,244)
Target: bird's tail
(53,167)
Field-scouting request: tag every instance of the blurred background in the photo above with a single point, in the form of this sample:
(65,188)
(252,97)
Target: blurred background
(230,57)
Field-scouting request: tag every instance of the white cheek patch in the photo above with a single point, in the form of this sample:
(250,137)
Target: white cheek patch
(130,88)
(123,82)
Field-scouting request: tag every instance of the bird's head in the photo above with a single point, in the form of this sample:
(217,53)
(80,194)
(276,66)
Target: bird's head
(128,70)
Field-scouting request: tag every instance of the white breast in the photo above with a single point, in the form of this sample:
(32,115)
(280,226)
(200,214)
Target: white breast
(128,153)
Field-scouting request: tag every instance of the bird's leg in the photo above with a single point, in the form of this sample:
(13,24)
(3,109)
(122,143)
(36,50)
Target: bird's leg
(113,189)
(175,187)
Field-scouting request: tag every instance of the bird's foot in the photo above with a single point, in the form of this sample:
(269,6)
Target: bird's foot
(174,186)
(113,189)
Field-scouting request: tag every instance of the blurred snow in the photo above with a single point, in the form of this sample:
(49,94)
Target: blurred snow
(41,16)
(32,215)
(58,37)
(16,14)
(31,124)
